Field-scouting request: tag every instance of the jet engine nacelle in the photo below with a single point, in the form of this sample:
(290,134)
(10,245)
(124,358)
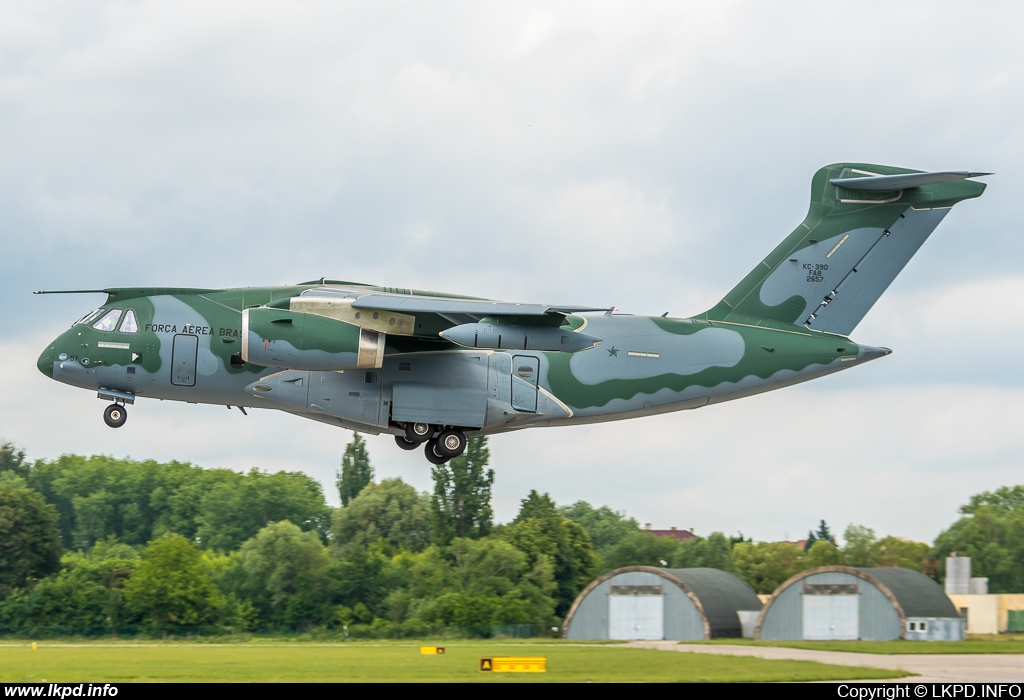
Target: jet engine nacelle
(498,337)
(297,340)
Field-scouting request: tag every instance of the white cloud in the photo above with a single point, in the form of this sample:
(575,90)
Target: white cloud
(645,156)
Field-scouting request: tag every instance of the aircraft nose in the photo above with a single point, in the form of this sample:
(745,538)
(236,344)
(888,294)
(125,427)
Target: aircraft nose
(45,362)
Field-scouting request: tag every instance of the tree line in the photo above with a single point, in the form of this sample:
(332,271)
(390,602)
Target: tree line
(103,546)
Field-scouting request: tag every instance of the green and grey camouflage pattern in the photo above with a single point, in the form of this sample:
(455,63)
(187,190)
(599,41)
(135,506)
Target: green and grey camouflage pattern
(434,368)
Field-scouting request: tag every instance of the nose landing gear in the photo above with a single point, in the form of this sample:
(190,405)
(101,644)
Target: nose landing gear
(115,415)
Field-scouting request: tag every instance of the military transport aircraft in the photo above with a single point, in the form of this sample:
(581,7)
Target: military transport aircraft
(432,368)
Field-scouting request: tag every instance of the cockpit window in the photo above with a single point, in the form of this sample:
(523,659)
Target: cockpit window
(109,320)
(89,317)
(128,325)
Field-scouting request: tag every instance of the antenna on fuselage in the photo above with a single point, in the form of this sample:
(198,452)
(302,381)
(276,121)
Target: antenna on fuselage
(71,291)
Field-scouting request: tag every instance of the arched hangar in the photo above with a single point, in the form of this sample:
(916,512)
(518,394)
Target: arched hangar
(845,602)
(645,602)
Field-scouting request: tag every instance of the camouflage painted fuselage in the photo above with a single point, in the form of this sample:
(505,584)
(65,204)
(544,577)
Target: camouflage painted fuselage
(183,348)
(374,359)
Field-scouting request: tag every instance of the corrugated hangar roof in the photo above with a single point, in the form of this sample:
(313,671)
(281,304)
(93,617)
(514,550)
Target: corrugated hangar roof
(720,594)
(918,595)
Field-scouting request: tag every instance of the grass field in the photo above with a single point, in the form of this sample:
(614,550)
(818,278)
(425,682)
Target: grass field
(975,644)
(310,662)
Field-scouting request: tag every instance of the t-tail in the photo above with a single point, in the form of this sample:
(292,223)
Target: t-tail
(865,223)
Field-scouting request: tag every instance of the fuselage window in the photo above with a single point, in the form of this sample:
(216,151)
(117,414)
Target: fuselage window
(109,320)
(128,325)
(89,317)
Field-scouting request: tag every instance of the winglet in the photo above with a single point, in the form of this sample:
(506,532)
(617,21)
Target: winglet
(900,182)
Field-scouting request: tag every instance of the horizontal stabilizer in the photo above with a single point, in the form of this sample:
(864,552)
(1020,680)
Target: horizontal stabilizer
(877,183)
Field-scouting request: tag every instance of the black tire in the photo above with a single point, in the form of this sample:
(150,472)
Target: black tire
(432,454)
(418,432)
(115,415)
(405,443)
(451,443)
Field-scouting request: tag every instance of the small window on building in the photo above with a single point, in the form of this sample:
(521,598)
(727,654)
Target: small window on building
(128,325)
(109,320)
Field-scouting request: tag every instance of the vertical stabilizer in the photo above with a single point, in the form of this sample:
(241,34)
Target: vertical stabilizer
(865,223)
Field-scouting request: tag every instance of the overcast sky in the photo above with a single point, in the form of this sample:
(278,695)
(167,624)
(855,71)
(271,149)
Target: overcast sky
(641,155)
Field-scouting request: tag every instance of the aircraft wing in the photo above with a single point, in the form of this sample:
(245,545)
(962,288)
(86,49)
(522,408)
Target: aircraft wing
(476,323)
(443,306)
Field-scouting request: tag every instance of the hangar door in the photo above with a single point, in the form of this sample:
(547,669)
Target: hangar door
(636,612)
(831,611)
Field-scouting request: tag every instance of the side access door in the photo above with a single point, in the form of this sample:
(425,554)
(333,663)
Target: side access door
(183,359)
(525,375)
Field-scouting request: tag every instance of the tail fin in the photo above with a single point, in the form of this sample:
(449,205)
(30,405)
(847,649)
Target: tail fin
(864,225)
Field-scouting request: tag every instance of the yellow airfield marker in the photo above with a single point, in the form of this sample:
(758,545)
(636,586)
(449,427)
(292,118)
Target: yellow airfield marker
(514,664)
(33,646)
(431,650)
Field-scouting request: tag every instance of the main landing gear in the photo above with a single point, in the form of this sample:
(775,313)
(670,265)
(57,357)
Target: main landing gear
(439,443)
(115,415)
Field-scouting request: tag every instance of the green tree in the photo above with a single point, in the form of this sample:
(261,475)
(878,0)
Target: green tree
(894,551)
(476,583)
(824,533)
(286,575)
(356,471)
(1002,501)
(29,539)
(136,502)
(714,552)
(540,531)
(823,553)
(235,509)
(361,578)
(391,510)
(85,597)
(13,467)
(171,589)
(766,565)
(858,548)
(640,548)
(605,527)
(461,504)
(994,544)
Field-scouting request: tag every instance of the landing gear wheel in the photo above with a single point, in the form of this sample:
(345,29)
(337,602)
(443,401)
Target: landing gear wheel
(115,415)
(418,432)
(405,443)
(433,454)
(451,443)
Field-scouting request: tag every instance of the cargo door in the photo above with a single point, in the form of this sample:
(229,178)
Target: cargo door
(636,612)
(831,611)
(183,359)
(525,374)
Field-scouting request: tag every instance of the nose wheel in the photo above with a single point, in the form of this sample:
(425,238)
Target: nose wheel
(115,415)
